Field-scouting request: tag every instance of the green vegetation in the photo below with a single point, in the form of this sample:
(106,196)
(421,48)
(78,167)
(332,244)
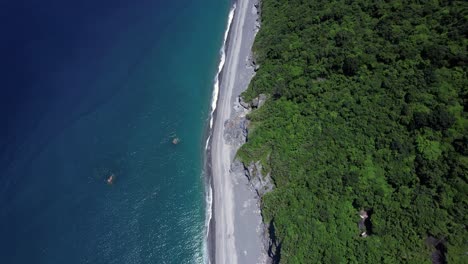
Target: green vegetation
(367,110)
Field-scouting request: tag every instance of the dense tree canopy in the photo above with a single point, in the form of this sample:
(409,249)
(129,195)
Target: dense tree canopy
(367,109)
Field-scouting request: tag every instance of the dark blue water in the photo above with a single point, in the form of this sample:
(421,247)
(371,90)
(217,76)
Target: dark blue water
(94,88)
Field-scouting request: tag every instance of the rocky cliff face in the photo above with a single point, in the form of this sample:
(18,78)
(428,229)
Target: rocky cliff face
(236,134)
(236,130)
(261,183)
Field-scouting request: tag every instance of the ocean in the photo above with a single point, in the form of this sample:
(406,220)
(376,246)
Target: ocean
(96,88)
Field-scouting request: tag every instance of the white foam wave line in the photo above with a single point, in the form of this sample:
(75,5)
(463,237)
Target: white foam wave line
(214,99)
(214,102)
(208,214)
(209,201)
(207,142)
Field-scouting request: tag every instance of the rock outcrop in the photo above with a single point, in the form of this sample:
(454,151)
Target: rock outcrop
(235,134)
(258,101)
(244,104)
(261,183)
(236,130)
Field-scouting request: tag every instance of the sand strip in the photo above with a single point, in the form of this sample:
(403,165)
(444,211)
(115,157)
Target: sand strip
(238,231)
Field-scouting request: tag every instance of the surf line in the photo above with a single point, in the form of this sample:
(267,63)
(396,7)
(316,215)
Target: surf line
(215,95)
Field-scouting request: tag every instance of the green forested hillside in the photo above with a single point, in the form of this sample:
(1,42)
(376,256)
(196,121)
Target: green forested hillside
(367,109)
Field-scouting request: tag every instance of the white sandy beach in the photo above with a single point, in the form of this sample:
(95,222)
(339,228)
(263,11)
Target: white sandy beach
(237,220)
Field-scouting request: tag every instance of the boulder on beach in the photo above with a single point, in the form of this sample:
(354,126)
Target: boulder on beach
(243,103)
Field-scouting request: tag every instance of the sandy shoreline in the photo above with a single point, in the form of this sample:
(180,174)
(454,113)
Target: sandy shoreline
(235,229)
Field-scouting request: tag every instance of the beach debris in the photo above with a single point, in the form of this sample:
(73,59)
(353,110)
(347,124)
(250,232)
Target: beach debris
(175,140)
(111,179)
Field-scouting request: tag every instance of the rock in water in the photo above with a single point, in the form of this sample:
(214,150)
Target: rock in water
(175,141)
(111,179)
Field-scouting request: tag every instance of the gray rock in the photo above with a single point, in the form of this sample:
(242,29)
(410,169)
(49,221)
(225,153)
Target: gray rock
(244,104)
(235,132)
(252,62)
(261,183)
(237,167)
(255,102)
(261,99)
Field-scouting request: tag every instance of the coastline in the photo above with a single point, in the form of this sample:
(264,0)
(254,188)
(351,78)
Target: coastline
(210,226)
(235,231)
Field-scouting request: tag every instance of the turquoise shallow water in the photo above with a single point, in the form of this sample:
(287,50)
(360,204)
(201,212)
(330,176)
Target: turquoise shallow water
(110,87)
